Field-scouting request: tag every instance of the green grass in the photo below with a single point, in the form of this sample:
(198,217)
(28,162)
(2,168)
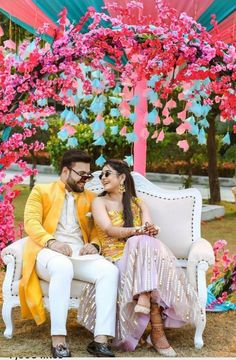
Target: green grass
(222,228)
(20,201)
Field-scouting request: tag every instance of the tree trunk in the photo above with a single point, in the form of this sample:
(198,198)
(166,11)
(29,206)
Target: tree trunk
(214,183)
(32,177)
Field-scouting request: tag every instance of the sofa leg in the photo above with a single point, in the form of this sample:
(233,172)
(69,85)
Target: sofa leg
(202,293)
(7,318)
(198,340)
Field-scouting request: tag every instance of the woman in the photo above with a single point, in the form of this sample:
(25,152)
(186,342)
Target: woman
(151,287)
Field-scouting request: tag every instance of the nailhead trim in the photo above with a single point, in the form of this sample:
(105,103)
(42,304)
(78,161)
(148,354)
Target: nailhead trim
(11,288)
(177,198)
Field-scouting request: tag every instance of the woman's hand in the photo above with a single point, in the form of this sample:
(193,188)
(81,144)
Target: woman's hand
(151,229)
(147,229)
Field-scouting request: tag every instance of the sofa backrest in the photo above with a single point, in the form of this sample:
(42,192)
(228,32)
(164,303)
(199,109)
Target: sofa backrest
(177,212)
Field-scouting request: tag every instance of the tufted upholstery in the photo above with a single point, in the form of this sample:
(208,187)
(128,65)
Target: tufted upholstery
(178,213)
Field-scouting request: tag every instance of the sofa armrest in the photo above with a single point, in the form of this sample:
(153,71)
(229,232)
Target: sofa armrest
(201,251)
(12,256)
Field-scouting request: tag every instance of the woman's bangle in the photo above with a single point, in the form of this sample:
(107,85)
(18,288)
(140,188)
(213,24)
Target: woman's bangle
(138,230)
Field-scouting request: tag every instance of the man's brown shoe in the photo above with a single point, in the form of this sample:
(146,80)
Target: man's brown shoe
(100,349)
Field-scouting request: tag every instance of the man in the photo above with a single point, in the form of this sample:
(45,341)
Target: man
(57,221)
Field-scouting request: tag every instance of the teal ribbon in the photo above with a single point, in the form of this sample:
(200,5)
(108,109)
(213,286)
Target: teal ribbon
(221,8)
(5,136)
(225,306)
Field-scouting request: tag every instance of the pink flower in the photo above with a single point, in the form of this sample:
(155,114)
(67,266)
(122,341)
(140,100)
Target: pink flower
(209,52)
(226,261)
(220,244)
(10,44)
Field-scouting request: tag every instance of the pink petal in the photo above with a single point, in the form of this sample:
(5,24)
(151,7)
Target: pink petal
(155,134)
(171,104)
(160,136)
(165,111)
(181,96)
(127,94)
(183,144)
(9,44)
(168,120)
(158,120)
(69,129)
(124,109)
(158,103)
(123,130)
(71,101)
(182,115)
(1,31)
(182,128)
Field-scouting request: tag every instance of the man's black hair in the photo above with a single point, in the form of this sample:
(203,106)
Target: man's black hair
(72,156)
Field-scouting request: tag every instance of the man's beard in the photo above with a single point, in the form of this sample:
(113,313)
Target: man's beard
(75,186)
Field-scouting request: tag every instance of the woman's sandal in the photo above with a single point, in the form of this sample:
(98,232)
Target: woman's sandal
(157,337)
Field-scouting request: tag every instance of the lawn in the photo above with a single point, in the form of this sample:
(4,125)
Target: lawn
(219,335)
(20,201)
(222,228)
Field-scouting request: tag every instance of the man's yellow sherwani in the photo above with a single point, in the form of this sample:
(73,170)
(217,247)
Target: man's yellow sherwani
(42,213)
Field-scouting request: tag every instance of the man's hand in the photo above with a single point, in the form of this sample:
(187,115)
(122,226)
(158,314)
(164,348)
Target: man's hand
(61,247)
(88,249)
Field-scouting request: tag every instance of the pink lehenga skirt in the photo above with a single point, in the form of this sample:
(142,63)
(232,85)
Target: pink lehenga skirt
(146,265)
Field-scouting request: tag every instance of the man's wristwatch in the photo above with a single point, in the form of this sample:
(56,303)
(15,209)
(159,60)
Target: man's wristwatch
(97,247)
(50,241)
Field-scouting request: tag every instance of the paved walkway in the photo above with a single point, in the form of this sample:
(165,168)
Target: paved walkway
(165,181)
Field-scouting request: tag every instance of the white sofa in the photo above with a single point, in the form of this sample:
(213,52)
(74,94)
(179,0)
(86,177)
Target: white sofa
(178,213)
(234,192)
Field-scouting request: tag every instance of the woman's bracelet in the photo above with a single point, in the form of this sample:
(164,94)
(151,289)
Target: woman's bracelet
(138,230)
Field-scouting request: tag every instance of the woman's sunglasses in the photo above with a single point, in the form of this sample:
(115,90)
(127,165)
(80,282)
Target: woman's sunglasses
(106,174)
(84,175)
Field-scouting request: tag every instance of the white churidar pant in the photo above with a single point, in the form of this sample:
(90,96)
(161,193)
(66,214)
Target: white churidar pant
(59,271)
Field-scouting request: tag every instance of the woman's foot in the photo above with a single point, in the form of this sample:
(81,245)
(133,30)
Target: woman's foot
(144,304)
(158,337)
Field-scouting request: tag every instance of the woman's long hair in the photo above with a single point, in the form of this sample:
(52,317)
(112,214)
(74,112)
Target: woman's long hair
(121,167)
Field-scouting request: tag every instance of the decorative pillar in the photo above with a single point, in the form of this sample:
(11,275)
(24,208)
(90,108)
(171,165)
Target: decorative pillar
(140,146)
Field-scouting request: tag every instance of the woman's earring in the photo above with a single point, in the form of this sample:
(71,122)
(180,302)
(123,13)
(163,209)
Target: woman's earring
(121,188)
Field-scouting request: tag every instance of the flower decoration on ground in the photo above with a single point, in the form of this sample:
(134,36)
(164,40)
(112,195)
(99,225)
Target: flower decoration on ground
(222,289)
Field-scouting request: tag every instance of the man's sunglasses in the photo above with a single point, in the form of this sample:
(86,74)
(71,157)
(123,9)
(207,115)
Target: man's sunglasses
(106,174)
(84,175)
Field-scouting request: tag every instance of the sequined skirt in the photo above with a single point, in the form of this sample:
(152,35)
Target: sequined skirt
(147,265)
